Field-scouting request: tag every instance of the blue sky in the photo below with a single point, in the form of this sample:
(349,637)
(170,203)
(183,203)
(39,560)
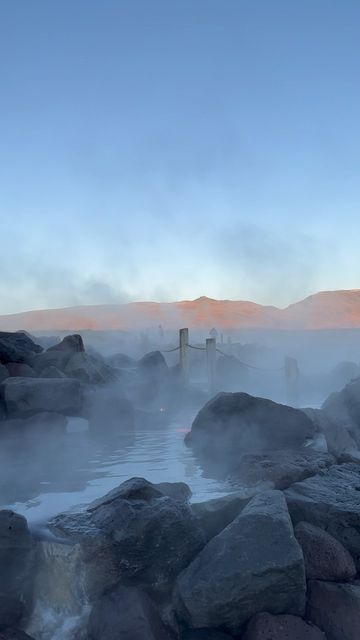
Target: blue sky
(167,149)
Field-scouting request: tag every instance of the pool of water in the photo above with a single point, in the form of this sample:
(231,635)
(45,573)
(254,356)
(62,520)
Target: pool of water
(67,474)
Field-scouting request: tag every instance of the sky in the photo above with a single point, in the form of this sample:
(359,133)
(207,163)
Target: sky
(169,149)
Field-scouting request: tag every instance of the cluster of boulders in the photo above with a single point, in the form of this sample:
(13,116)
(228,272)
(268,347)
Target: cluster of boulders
(145,563)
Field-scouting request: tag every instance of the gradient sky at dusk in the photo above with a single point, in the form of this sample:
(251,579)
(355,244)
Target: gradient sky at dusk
(168,149)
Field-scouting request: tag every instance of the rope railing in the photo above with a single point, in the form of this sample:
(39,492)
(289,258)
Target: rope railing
(250,366)
(169,350)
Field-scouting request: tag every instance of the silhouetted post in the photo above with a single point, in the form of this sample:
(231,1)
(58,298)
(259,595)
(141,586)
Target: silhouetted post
(211,364)
(292,381)
(184,356)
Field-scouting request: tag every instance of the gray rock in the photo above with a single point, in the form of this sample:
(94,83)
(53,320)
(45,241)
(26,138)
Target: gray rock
(281,468)
(337,435)
(17,561)
(26,396)
(17,347)
(134,535)
(12,611)
(214,515)
(3,372)
(126,613)
(331,502)
(343,407)
(14,634)
(264,626)
(205,634)
(20,370)
(237,423)
(325,557)
(52,372)
(73,343)
(255,564)
(335,608)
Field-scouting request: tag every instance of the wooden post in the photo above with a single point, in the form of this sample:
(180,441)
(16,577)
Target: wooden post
(211,364)
(184,356)
(292,381)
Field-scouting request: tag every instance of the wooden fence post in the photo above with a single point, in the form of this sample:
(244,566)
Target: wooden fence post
(292,381)
(211,364)
(184,357)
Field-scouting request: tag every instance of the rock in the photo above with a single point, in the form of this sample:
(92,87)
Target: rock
(81,366)
(20,370)
(343,407)
(281,468)
(52,372)
(254,564)
(3,373)
(176,490)
(335,608)
(126,613)
(214,515)
(17,347)
(325,557)
(205,634)
(153,366)
(12,611)
(107,409)
(134,534)
(141,489)
(26,396)
(17,562)
(14,634)
(73,343)
(264,626)
(122,361)
(337,436)
(237,423)
(331,502)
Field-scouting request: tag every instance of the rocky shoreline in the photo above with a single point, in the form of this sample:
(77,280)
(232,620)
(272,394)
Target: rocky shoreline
(278,560)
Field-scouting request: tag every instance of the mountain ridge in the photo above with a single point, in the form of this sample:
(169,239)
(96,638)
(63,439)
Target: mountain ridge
(323,310)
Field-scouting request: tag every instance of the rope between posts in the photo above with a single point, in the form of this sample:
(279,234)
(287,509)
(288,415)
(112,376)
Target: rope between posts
(246,364)
(169,350)
(198,348)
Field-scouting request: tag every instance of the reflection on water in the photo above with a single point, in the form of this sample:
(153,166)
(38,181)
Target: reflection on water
(43,478)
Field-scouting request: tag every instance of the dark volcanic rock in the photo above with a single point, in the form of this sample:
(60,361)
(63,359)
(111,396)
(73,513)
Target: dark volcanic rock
(17,562)
(14,634)
(325,557)
(214,515)
(237,423)
(126,613)
(343,407)
(52,372)
(337,436)
(3,372)
(73,343)
(255,564)
(264,626)
(335,608)
(134,535)
(17,347)
(12,610)
(153,366)
(26,396)
(282,468)
(331,502)
(20,370)
(205,634)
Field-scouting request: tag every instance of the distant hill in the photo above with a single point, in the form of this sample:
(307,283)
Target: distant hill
(324,310)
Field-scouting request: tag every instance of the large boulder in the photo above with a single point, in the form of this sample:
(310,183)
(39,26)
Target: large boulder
(134,535)
(331,502)
(264,626)
(205,634)
(335,608)
(26,396)
(17,347)
(343,407)
(126,613)
(17,566)
(338,438)
(20,370)
(14,634)
(214,515)
(88,368)
(3,372)
(325,557)
(73,343)
(153,366)
(238,423)
(255,564)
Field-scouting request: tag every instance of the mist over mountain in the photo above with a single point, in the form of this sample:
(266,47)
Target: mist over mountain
(324,310)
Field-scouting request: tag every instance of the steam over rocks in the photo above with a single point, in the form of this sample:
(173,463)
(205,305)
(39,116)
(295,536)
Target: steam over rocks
(255,564)
(26,396)
(343,407)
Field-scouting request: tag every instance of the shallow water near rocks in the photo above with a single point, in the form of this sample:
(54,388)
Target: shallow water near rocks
(79,468)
